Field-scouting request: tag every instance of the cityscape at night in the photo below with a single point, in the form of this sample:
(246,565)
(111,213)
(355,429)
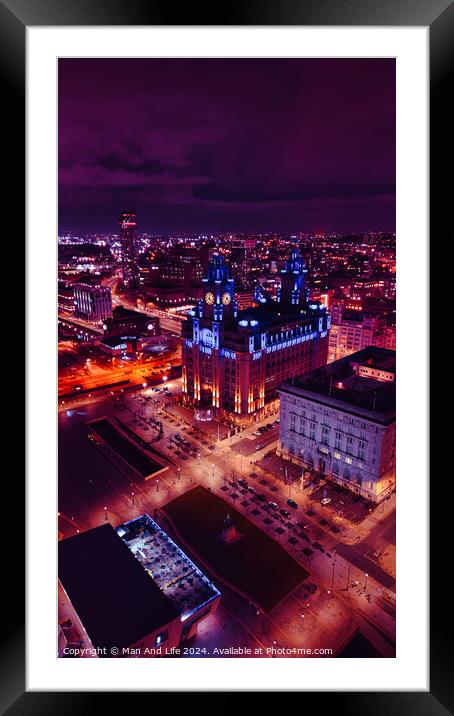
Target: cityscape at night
(226,358)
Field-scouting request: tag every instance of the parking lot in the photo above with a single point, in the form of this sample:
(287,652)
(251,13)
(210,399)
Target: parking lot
(343,503)
(283,469)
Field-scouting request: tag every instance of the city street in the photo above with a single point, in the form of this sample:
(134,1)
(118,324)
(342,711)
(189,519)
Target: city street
(98,487)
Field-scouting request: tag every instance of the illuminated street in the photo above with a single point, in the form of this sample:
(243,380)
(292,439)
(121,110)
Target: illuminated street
(227,359)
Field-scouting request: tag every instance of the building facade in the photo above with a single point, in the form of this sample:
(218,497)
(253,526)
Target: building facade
(92,302)
(128,239)
(353,329)
(340,421)
(234,361)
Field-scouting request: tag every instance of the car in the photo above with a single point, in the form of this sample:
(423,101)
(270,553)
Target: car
(243,483)
(258,447)
(284,513)
(325,500)
(252,474)
(302,525)
(274,505)
(261,497)
(292,503)
(251,490)
(257,432)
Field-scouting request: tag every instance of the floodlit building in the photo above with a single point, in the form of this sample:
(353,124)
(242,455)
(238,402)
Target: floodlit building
(353,329)
(92,302)
(132,589)
(340,420)
(128,240)
(234,361)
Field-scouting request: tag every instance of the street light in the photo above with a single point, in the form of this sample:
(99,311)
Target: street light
(157,485)
(105,513)
(132,495)
(302,622)
(365,582)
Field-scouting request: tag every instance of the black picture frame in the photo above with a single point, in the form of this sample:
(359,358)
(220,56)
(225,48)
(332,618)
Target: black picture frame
(15,17)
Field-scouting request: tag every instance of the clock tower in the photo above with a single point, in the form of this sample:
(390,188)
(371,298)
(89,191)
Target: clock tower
(217,302)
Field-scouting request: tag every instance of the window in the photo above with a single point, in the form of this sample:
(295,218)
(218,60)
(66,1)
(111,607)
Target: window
(161,638)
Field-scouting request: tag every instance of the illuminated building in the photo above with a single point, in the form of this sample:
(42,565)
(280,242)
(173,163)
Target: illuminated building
(92,302)
(125,321)
(133,588)
(353,329)
(340,420)
(243,264)
(65,297)
(234,361)
(128,239)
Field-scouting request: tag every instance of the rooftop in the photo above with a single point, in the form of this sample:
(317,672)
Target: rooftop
(363,381)
(116,600)
(186,588)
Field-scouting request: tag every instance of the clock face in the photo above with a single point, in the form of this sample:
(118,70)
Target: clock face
(209,298)
(226,298)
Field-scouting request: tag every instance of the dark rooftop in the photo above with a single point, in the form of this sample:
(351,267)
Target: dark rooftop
(273,313)
(364,380)
(116,600)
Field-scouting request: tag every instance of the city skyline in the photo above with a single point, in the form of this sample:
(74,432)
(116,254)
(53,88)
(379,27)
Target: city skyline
(188,145)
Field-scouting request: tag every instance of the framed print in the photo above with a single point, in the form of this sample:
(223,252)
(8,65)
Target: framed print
(226,250)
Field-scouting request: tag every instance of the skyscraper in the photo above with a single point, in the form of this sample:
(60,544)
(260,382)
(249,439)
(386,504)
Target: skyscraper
(128,235)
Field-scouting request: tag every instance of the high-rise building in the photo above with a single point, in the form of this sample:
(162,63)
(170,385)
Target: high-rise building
(234,361)
(243,264)
(128,239)
(340,420)
(92,302)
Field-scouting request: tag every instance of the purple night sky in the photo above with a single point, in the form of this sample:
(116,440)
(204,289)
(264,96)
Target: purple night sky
(216,145)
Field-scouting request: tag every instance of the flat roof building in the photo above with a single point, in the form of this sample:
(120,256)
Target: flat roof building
(340,420)
(133,589)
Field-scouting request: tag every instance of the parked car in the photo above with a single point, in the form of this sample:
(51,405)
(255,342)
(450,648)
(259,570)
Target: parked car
(243,483)
(292,503)
(285,513)
(325,500)
(274,505)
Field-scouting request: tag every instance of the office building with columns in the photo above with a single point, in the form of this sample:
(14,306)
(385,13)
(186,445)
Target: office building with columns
(340,421)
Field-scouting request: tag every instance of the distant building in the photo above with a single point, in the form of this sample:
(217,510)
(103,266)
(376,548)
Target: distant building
(126,322)
(243,263)
(340,420)
(234,361)
(65,297)
(131,588)
(353,329)
(128,241)
(120,345)
(92,302)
